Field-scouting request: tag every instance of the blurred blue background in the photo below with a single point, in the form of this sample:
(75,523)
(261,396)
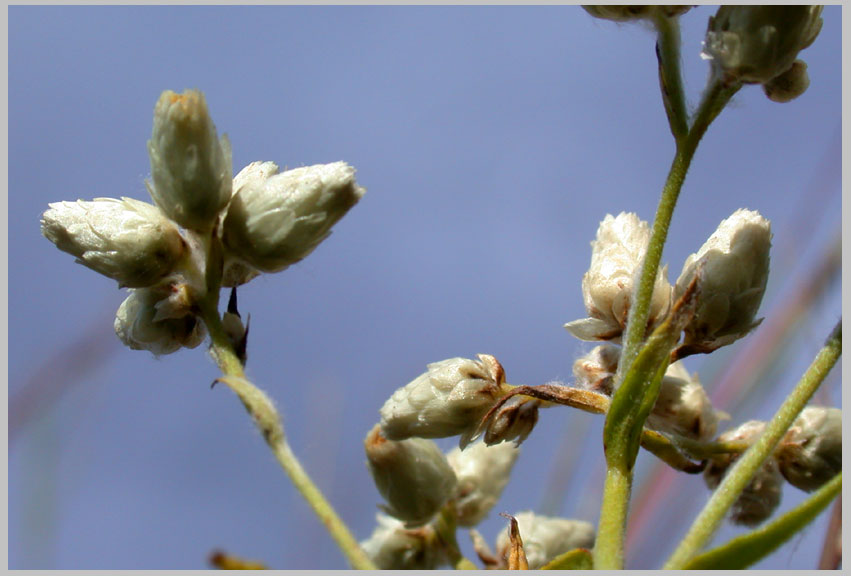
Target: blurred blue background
(491,140)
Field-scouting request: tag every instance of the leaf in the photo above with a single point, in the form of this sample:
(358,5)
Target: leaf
(745,550)
(578,559)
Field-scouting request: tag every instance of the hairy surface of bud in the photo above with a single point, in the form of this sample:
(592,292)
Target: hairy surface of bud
(277,219)
(149,319)
(412,475)
(450,398)
(732,272)
(126,240)
(190,166)
(616,257)
(596,370)
(394,547)
(483,472)
(810,453)
(683,407)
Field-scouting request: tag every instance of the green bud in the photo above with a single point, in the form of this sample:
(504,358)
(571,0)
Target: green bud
(190,165)
(788,85)
(754,44)
(412,475)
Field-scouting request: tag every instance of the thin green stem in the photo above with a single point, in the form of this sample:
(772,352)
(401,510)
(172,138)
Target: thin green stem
(613,514)
(670,77)
(748,464)
(266,419)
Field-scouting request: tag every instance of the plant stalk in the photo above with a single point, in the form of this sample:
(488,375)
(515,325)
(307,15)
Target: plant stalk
(266,418)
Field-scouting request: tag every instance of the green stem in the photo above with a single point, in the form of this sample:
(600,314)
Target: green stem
(446,527)
(748,464)
(670,77)
(266,418)
(610,535)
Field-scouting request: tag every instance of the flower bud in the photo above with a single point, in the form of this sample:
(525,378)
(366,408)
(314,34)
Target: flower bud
(546,537)
(148,320)
(483,472)
(126,240)
(275,220)
(683,407)
(762,495)
(754,44)
(810,453)
(190,166)
(632,11)
(412,475)
(616,257)
(450,398)
(732,272)
(789,85)
(596,370)
(394,547)
(513,421)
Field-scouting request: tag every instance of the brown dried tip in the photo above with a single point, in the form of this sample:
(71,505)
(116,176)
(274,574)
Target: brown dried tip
(222,561)
(516,554)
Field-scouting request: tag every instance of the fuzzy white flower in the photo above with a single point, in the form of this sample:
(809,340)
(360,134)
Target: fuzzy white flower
(190,166)
(394,547)
(412,475)
(683,407)
(546,537)
(810,453)
(732,271)
(483,472)
(450,398)
(149,319)
(616,258)
(126,240)
(276,219)
(596,370)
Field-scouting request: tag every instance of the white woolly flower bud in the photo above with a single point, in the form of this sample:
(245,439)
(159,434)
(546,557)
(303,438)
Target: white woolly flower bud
(152,319)
(732,271)
(450,398)
(683,407)
(483,472)
(190,166)
(126,240)
(596,370)
(412,475)
(616,257)
(394,547)
(275,220)
(545,537)
(762,495)
(753,44)
(810,453)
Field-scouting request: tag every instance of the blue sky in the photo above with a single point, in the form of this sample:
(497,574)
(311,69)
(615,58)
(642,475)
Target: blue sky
(491,142)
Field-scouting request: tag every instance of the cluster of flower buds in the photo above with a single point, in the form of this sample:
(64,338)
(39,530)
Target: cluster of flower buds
(450,399)
(808,456)
(682,408)
(418,481)
(730,271)
(545,538)
(760,45)
(164,251)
